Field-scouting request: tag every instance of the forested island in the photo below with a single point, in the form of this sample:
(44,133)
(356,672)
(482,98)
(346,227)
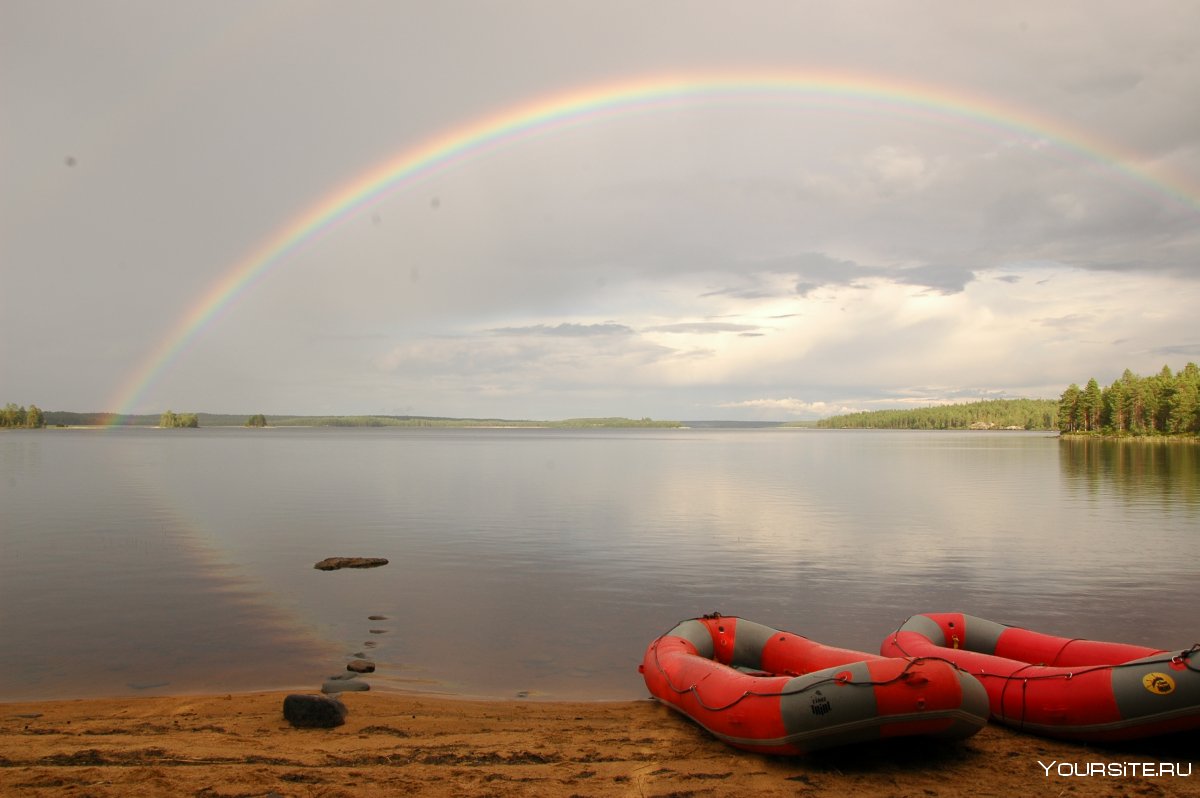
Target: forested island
(173,420)
(14,417)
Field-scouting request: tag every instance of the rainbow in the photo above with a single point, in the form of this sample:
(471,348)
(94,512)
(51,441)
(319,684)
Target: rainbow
(581,105)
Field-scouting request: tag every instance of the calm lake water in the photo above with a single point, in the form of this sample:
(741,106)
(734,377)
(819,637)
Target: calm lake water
(141,561)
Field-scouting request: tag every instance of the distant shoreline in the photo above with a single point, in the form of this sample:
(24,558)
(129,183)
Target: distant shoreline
(61,419)
(682,426)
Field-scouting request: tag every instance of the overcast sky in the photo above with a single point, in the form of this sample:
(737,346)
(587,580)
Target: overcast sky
(773,257)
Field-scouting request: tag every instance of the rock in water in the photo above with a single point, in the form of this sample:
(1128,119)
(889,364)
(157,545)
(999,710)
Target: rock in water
(360,666)
(313,711)
(344,686)
(334,563)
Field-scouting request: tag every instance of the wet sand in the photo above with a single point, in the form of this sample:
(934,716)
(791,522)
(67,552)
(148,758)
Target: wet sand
(395,744)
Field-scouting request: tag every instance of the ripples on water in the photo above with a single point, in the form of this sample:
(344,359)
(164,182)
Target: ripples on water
(546,560)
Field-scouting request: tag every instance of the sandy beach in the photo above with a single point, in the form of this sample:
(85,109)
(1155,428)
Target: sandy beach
(240,745)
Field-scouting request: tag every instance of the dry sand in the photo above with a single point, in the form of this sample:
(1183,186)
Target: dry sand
(396,744)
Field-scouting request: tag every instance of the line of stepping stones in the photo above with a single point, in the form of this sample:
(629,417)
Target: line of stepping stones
(358,665)
(327,711)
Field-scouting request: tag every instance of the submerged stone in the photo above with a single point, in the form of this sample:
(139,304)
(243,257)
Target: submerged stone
(344,686)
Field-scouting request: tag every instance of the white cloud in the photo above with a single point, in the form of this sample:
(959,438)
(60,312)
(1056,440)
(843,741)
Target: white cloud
(791,406)
(898,170)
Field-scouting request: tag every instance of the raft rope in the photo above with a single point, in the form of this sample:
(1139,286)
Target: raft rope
(1024,690)
(694,688)
(1064,647)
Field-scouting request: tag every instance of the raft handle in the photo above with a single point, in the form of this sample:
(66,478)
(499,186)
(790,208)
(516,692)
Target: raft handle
(1185,657)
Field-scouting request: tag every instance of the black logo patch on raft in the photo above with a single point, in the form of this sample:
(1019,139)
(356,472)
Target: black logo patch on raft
(820,704)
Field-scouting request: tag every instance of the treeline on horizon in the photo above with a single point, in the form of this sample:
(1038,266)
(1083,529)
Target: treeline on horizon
(1164,404)
(1027,414)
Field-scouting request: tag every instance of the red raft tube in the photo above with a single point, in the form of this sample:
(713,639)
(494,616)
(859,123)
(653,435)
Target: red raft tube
(1061,687)
(774,692)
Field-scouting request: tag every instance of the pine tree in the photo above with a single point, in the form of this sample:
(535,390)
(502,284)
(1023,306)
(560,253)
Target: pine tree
(1115,417)
(1184,411)
(1090,405)
(1068,409)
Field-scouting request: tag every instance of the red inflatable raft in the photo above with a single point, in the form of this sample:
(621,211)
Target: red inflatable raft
(1058,686)
(779,693)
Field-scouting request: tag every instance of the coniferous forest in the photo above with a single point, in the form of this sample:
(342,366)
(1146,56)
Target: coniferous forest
(1164,404)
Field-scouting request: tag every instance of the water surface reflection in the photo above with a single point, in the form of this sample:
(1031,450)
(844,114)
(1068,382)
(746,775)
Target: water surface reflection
(543,561)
